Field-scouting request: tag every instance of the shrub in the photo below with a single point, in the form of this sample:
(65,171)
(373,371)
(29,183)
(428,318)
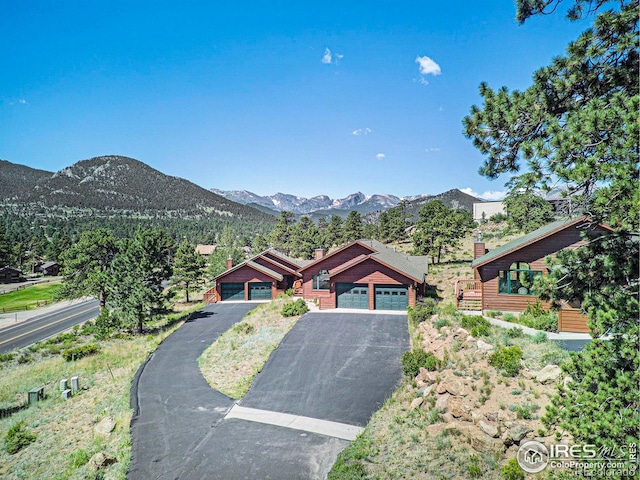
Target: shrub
(512,471)
(539,337)
(422,311)
(498,217)
(25,358)
(17,438)
(493,313)
(474,321)
(78,458)
(441,322)
(510,317)
(515,332)
(480,331)
(6,357)
(243,328)
(76,353)
(547,322)
(473,467)
(413,360)
(298,307)
(535,310)
(105,324)
(289,292)
(506,359)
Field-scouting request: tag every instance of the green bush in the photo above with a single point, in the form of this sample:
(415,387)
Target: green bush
(243,328)
(298,307)
(6,357)
(515,332)
(478,325)
(512,471)
(493,313)
(17,438)
(480,331)
(506,359)
(78,458)
(105,324)
(413,360)
(539,337)
(498,217)
(76,353)
(441,322)
(547,322)
(535,310)
(422,311)
(473,467)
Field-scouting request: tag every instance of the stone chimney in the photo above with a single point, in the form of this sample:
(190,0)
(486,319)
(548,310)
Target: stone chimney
(229,263)
(478,247)
(319,253)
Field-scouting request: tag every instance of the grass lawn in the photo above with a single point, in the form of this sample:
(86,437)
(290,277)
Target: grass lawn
(29,297)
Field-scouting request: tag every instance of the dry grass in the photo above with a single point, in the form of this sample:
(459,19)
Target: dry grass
(65,429)
(237,356)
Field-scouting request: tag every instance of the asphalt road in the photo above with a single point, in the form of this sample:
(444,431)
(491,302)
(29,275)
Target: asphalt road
(30,331)
(336,367)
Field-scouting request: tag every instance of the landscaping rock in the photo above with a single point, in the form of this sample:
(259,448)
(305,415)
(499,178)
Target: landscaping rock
(489,429)
(452,385)
(484,347)
(518,432)
(484,443)
(458,409)
(416,403)
(428,389)
(461,334)
(549,374)
(101,461)
(442,402)
(105,427)
(506,438)
(447,418)
(427,376)
(477,416)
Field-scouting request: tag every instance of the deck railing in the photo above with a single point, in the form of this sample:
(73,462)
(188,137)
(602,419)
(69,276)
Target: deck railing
(210,296)
(468,294)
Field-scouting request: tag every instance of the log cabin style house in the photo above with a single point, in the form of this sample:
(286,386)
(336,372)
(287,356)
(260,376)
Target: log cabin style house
(365,274)
(503,276)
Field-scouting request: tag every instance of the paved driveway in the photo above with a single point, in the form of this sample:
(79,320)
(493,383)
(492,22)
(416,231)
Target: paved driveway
(331,369)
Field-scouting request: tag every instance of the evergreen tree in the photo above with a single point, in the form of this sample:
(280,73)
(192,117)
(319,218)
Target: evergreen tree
(440,228)
(218,260)
(527,211)
(87,266)
(259,244)
(6,252)
(333,235)
(281,233)
(188,268)
(352,227)
(304,239)
(578,125)
(139,271)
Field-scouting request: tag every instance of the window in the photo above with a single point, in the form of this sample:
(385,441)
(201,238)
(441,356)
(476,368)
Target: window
(518,280)
(321,280)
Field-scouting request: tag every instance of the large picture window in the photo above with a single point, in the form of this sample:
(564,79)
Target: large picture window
(518,280)
(321,280)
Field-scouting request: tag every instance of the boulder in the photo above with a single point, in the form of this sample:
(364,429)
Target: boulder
(506,438)
(452,385)
(461,334)
(549,374)
(484,347)
(489,428)
(105,426)
(447,418)
(428,389)
(477,416)
(484,443)
(442,402)
(101,461)
(518,432)
(416,403)
(458,409)
(427,376)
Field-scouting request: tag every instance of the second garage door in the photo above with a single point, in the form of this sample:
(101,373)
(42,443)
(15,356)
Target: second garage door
(352,295)
(392,297)
(260,291)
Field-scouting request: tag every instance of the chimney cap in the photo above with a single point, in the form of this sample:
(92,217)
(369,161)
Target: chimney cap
(479,238)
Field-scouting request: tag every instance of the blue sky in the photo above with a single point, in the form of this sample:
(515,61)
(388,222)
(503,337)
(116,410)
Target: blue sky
(323,98)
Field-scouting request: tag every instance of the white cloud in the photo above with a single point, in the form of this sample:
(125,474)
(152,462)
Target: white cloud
(327,57)
(489,195)
(361,131)
(380,156)
(433,149)
(428,66)
(22,101)
(331,58)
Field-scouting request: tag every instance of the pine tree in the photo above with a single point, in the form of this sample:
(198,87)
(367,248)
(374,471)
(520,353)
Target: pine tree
(352,227)
(188,268)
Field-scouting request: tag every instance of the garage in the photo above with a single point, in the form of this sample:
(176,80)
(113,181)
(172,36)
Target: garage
(232,291)
(260,291)
(391,297)
(352,295)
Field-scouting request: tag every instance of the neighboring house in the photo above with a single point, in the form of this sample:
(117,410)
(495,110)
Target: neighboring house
(364,274)
(503,276)
(205,250)
(50,269)
(9,274)
(485,210)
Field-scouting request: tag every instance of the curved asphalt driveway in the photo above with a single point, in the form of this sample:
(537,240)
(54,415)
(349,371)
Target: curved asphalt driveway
(330,367)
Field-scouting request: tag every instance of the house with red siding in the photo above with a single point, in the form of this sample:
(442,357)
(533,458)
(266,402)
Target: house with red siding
(365,274)
(503,277)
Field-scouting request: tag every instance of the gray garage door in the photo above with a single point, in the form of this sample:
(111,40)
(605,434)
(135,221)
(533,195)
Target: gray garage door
(232,291)
(352,295)
(392,297)
(260,291)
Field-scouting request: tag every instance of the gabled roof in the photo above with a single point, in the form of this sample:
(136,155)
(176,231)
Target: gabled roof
(275,262)
(48,265)
(293,261)
(526,240)
(8,268)
(205,249)
(329,255)
(414,267)
(254,266)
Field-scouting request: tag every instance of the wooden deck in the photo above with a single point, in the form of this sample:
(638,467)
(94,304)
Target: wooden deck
(468,294)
